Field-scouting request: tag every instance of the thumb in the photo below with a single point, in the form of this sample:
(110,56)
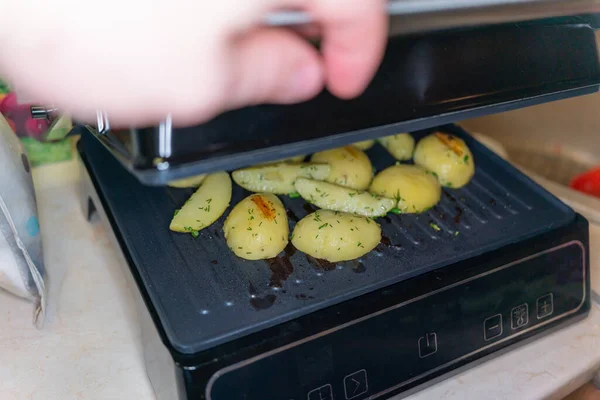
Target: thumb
(272,65)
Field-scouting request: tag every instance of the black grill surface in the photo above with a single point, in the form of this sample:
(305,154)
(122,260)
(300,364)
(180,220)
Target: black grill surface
(204,295)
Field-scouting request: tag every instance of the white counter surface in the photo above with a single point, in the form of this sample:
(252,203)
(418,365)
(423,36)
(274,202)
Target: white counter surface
(90,347)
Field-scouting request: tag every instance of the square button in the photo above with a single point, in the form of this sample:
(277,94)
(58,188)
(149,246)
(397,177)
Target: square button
(492,327)
(322,393)
(356,384)
(519,316)
(545,306)
(427,345)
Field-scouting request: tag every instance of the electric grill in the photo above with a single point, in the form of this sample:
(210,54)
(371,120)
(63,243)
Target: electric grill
(494,265)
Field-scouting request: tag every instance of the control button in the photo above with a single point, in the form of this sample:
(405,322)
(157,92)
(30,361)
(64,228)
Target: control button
(545,306)
(356,384)
(427,345)
(322,393)
(492,327)
(519,316)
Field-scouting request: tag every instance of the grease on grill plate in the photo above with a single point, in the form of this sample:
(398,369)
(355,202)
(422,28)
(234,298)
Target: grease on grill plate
(260,303)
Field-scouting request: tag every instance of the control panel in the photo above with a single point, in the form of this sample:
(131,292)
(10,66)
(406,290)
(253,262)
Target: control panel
(390,350)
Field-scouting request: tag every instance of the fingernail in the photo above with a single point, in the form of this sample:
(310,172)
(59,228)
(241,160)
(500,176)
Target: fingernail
(306,82)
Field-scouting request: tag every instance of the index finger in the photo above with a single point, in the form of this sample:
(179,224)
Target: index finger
(354,39)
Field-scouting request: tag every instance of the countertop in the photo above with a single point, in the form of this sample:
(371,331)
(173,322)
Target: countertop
(90,346)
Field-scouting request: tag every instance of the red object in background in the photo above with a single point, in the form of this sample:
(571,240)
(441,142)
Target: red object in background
(9,104)
(588,182)
(19,117)
(35,127)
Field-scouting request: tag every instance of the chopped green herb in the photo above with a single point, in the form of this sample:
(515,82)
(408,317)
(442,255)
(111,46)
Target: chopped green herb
(260,223)
(293,195)
(249,229)
(397,196)
(435,227)
(292,237)
(317,236)
(248,252)
(176,212)
(192,231)
(208,200)
(466,159)
(456,233)
(396,210)
(324,225)
(359,244)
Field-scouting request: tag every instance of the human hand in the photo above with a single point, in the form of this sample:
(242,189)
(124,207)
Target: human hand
(141,60)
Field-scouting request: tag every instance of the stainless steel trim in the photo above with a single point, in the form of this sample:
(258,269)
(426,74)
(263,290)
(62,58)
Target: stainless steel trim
(102,124)
(240,364)
(424,15)
(164,137)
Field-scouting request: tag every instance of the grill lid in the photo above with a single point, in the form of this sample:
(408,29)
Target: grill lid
(424,81)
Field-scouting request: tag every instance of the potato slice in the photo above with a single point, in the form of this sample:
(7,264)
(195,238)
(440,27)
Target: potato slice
(337,198)
(280,178)
(400,146)
(205,206)
(414,189)
(350,167)
(364,144)
(446,156)
(192,181)
(336,236)
(257,227)
(295,159)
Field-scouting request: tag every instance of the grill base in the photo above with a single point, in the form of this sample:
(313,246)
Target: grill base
(205,374)
(387,320)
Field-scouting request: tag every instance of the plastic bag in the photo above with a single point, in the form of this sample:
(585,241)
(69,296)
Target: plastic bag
(21,261)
